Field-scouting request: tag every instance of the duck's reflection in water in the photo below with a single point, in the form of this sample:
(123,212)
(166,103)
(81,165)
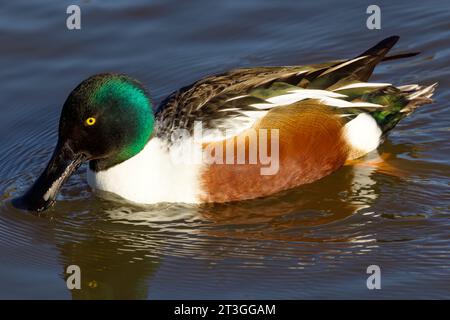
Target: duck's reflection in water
(294,215)
(119,247)
(111,265)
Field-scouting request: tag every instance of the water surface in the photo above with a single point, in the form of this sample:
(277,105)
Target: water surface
(315,241)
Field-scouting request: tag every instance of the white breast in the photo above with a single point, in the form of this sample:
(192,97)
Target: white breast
(150,177)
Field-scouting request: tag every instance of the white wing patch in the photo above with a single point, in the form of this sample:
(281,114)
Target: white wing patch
(363,85)
(302,94)
(329,98)
(247,118)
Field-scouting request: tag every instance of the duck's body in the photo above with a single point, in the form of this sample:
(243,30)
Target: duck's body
(307,120)
(326,114)
(150,177)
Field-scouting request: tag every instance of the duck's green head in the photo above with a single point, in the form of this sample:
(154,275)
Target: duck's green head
(106,120)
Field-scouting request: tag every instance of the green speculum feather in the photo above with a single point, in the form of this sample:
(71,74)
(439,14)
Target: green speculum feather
(390,116)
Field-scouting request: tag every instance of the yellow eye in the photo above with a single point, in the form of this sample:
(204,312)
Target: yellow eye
(90,121)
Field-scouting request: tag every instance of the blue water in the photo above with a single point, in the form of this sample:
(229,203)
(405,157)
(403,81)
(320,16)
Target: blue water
(312,242)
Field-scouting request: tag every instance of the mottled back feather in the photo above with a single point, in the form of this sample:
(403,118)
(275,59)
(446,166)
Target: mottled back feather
(236,99)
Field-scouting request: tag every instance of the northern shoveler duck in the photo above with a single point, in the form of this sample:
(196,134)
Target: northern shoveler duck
(322,115)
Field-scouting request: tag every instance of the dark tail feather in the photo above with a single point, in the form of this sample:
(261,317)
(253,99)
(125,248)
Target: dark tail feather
(381,48)
(374,56)
(359,68)
(400,56)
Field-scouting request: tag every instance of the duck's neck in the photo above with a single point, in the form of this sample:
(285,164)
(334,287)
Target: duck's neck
(126,154)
